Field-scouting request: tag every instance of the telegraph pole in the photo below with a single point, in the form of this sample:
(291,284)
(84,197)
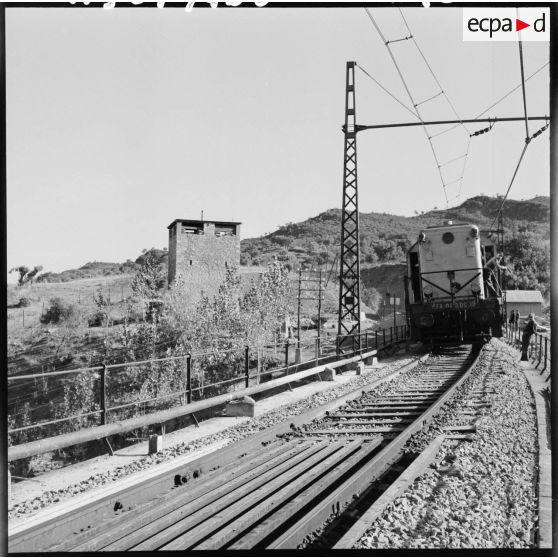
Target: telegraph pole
(299,304)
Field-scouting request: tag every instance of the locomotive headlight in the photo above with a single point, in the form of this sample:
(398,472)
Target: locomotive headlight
(422,237)
(475,289)
(483,316)
(474,232)
(427,290)
(426,320)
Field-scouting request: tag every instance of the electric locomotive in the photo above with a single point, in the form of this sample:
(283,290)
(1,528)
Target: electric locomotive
(452,288)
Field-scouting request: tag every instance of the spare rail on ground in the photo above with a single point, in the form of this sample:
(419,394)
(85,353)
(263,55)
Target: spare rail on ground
(347,348)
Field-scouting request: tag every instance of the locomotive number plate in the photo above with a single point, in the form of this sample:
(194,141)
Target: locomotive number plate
(449,305)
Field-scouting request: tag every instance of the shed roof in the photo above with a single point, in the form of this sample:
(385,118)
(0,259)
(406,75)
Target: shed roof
(524,296)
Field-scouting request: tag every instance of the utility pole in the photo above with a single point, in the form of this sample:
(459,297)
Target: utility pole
(320,305)
(500,248)
(311,284)
(299,305)
(349,271)
(393,300)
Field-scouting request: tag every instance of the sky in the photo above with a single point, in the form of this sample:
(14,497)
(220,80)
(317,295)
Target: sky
(121,121)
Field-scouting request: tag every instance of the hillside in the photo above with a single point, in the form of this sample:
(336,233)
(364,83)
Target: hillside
(92,270)
(384,237)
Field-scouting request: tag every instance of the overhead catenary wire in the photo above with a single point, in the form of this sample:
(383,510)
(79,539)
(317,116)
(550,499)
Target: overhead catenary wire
(464,167)
(510,185)
(528,138)
(495,103)
(527,142)
(388,92)
(520,43)
(430,68)
(386,42)
(410,95)
(512,90)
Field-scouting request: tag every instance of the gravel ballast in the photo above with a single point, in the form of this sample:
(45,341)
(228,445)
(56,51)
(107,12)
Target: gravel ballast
(481,493)
(233,434)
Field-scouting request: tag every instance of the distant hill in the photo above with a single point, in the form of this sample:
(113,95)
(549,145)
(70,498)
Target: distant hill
(102,269)
(384,238)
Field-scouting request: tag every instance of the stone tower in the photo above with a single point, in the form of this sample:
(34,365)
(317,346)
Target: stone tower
(200,250)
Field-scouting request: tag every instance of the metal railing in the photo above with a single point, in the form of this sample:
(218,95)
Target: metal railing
(117,392)
(539,350)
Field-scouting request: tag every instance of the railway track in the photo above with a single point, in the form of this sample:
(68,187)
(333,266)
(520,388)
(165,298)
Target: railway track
(281,495)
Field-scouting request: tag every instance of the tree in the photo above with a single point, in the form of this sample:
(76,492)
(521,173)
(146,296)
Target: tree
(102,315)
(218,320)
(528,263)
(266,305)
(147,284)
(26,275)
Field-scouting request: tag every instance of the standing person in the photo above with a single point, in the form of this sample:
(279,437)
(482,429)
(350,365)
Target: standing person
(530,327)
(512,318)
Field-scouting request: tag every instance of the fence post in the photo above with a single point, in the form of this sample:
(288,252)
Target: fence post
(247,365)
(337,347)
(545,353)
(317,349)
(366,340)
(287,356)
(104,395)
(540,349)
(189,378)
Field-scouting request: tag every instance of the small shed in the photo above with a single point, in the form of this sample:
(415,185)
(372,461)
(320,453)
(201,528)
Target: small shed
(526,302)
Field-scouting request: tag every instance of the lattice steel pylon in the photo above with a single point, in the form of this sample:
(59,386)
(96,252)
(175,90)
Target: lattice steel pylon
(349,270)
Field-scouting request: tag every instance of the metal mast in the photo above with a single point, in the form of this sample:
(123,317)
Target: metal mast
(349,272)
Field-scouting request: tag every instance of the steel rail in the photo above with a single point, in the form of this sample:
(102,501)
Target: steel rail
(37,447)
(417,468)
(342,495)
(48,529)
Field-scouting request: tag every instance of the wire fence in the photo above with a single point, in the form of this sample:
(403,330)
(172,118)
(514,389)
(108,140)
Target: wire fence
(28,310)
(68,400)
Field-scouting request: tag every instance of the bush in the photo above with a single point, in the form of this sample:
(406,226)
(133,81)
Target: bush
(59,310)
(24,302)
(97,319)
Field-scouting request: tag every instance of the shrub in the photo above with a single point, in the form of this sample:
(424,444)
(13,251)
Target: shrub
(24,302)
(97,319)
(59,310)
